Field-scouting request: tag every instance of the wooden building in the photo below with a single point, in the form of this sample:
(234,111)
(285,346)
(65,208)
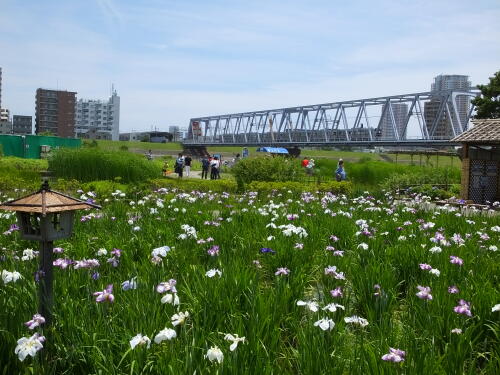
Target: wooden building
(481,161)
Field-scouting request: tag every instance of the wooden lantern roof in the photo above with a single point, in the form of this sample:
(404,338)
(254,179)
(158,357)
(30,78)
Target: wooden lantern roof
(46,201)
(484,131)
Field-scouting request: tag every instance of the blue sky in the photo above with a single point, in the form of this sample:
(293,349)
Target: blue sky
(173,60)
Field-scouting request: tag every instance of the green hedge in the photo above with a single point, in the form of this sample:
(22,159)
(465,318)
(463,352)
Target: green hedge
(195,184)
(298,187)
(266,169)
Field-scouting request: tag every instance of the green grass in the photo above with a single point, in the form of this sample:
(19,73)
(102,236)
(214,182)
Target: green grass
(20,173)
(145,146)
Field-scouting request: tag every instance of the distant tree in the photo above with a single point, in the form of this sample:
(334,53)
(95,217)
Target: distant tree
(488,104)
(170,136)
(46,134)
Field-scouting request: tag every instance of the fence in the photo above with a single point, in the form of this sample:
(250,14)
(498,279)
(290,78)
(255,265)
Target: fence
(31,146)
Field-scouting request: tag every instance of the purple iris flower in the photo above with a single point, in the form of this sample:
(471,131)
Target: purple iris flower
(463,308)
(265,250)
(105,295)
(453,289)
(456,260)
(337,292)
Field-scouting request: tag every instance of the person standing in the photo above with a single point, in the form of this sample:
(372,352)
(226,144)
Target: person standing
(179,165)
(205,165)
(215,165)
(187,164)
(340,174)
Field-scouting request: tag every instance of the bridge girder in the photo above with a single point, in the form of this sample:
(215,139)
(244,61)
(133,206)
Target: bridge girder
(344,122)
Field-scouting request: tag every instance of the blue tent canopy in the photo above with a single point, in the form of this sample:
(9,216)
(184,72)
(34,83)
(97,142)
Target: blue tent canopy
(273,150)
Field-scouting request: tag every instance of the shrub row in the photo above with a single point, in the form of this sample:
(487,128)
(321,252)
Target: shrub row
(92,164)
(298,187)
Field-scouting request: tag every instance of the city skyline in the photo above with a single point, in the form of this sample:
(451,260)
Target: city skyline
(190,59)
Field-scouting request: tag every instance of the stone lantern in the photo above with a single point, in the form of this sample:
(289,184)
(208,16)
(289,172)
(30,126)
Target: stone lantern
(46,216)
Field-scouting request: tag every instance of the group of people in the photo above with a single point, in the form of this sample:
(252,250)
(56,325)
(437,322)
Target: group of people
(182,166)
(340,173)
(212,163)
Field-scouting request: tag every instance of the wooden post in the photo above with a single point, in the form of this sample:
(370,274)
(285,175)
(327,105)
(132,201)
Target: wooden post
(46,281)
(46,299)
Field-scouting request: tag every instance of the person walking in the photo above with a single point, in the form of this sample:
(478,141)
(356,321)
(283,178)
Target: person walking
(340,174)
(205,165)
(187,164)
(179,165)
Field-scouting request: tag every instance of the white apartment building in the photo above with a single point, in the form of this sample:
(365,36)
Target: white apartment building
(98,119)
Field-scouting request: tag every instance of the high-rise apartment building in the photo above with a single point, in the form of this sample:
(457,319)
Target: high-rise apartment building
(0,87)
(98,119)
(431,108)
(386,130)
(55,112)
(22,124)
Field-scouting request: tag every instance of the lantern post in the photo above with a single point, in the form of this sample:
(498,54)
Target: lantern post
(46,216)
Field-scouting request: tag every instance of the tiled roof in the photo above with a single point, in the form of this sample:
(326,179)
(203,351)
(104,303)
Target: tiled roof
(484,131)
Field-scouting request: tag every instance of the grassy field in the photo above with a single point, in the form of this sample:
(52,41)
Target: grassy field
(314,283)
(230,151)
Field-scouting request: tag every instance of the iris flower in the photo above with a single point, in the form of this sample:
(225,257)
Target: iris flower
(311,305)
(266,250)
(463,308)
(356,320)
(180,318)
(337,292)
(325,324)
(213,272)
(35,322)
(105,295)
(456,260)
(139,339)
(282,271)
(165,334)
(9,277)
(130,284)
(424,292)
(394,355)
(214,354)
(235,341)
(29,346)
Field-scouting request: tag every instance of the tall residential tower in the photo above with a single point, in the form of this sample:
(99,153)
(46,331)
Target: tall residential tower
(431,108)
(55,112)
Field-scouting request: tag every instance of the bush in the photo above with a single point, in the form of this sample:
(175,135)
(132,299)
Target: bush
(299,187)
(420,176)
(19,173)
(266,169)
(88,164)
(195,184)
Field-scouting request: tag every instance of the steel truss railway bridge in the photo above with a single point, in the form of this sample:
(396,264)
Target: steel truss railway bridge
(426,119)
